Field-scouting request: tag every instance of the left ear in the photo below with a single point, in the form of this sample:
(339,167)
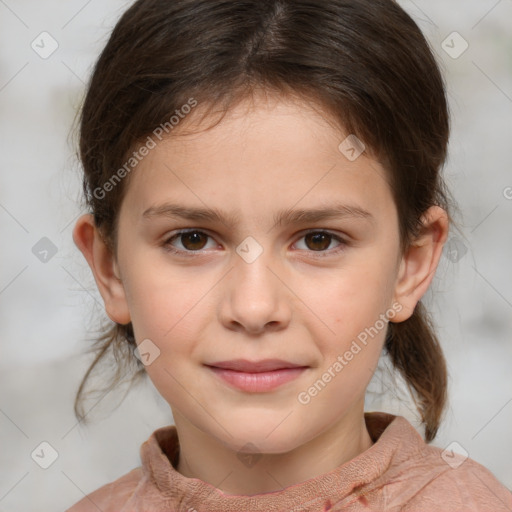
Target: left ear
(419,263)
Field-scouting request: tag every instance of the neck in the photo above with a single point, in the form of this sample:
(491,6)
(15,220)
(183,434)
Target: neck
(206,458)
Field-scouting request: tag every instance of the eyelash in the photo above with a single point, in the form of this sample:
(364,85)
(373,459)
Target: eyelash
(191,254)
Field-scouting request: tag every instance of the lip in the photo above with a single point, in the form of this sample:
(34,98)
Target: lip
(265,365)
(265,375)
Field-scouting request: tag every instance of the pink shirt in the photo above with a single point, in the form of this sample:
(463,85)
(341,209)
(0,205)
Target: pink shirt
(399,472)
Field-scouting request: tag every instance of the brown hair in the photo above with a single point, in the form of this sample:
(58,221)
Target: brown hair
(366,62)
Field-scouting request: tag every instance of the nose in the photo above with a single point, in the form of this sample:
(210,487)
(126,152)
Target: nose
(255,297)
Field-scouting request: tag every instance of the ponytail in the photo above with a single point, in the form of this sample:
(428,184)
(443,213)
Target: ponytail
(115,344)
(416,353)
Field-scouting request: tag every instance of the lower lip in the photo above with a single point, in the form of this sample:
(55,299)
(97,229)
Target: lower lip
(258,382)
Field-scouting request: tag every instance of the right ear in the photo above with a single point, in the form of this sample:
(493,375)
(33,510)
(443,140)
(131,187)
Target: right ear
(104,268)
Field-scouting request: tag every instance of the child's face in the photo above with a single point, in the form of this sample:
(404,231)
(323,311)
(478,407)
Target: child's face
(323,308)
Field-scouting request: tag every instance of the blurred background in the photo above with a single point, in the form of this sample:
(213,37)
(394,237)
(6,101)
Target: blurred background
(49,306)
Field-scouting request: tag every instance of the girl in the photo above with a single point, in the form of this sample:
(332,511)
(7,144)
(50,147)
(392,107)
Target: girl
(266,214)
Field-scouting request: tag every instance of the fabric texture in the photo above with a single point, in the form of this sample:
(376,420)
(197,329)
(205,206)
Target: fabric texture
(399,472)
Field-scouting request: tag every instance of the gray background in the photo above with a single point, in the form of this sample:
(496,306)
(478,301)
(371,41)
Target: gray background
(47,309)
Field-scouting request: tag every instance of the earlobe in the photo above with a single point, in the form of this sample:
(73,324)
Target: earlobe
(104,268)
(420,261)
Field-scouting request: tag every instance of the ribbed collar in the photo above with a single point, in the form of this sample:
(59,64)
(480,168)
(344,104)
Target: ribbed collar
(395,439)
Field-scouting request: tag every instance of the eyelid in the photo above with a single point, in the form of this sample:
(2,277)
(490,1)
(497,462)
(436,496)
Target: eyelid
(330,252)
(177,233)
(301,234)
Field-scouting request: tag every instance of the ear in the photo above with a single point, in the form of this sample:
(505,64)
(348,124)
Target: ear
(419,263)
(104,268)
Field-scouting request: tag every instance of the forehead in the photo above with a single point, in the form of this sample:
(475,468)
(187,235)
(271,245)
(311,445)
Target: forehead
(264,155)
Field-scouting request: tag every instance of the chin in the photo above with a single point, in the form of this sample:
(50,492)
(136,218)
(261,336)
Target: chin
(264,446)
(262,438)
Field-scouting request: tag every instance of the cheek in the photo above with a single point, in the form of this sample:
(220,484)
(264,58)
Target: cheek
(355,304)
(161,299)
(357,310)
(164,312)
(351,297)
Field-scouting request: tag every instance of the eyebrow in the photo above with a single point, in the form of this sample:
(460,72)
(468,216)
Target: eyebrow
(286,216)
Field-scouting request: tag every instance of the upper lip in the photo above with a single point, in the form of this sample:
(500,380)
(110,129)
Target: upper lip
(265,365)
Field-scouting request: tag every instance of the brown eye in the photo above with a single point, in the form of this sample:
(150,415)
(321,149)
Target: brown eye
(194,240)
(191,241)
(318,241)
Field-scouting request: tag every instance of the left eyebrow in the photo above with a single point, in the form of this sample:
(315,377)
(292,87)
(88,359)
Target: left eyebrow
(334,211)
(286,216)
